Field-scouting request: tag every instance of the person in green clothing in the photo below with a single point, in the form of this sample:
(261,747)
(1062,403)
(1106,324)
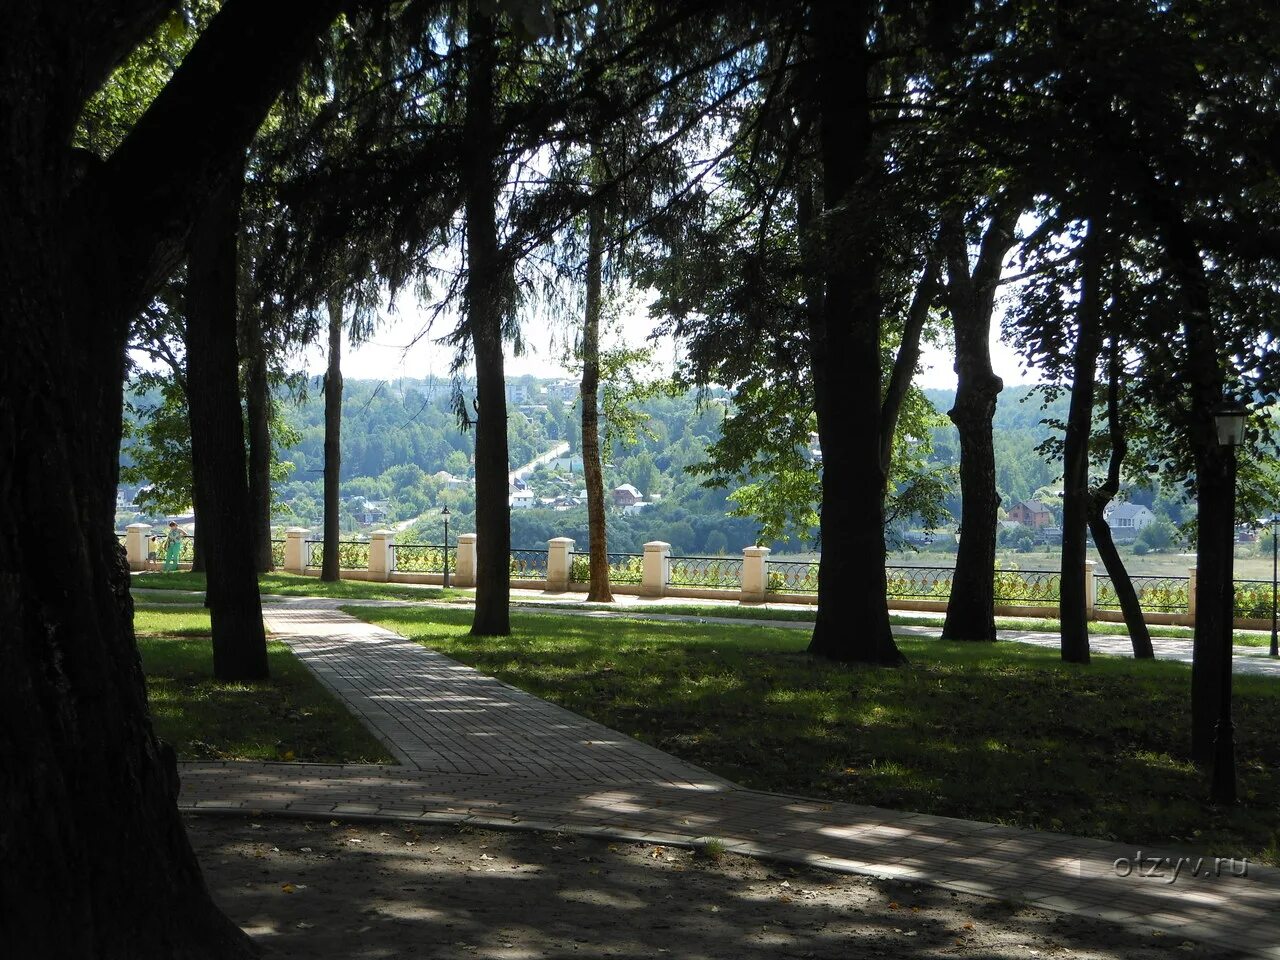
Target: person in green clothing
(172,547)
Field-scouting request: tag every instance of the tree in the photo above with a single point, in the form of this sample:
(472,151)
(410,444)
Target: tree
(101,866)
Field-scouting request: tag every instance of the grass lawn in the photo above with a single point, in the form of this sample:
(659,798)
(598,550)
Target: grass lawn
(1002,732)
(291,717)
(294,585)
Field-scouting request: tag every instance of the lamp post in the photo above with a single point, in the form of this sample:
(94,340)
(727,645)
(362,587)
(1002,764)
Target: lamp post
(1230,425)
(445,514)
(1274,521)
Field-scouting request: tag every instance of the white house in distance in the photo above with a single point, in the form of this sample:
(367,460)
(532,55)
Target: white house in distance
(523,500)
(1127,519)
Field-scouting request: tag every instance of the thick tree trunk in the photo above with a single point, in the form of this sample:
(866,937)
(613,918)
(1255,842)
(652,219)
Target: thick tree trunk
(591,461)
(852,622)
(329,565)
(1075,457)
(217,441)
(258,414)
(95,861)
(485,303)
(971,301)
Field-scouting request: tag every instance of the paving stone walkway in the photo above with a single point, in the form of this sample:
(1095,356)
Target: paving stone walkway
(474,749)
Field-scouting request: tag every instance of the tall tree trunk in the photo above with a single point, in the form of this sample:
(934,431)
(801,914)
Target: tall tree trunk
(329,565)
(486,290)
(96,864)
(852,622)
(1139,635)
(970,299)
(217,440)
(1075,457)
(258,413)
(590,392)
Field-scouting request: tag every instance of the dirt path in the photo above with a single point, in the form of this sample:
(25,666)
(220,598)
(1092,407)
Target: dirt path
(327,889)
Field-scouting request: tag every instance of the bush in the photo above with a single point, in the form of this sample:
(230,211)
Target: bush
(1140,548)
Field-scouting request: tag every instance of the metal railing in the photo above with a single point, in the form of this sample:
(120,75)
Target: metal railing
(417,558)
(1028,587)
(623,567)
(1253,599)
(712,572)
(528,564)
(918,583)
(1155,594)
(277,553)
(791,576)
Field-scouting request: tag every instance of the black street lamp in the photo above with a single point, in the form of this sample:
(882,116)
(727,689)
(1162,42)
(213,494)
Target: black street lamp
(1230,424)
(445,514)
(1274,521)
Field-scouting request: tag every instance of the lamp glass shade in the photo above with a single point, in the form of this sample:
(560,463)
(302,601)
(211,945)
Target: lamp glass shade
(444,512)
(1230,425)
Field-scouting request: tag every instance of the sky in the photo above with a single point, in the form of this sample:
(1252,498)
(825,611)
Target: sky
(390,355)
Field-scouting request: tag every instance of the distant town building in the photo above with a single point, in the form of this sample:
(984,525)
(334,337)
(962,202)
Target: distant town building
(522,500)
(1031,513)
(625,495)
(1126,520)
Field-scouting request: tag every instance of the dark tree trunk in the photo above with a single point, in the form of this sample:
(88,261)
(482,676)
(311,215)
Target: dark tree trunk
(96,863)
(258,413)
(1139,635)
(970,300)
(591,465)
(1075,456)
(852,622)
(197,548)
(329,565)
(485,304)
(217,441)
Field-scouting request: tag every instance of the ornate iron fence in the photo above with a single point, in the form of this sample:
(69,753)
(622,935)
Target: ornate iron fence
(352,554)
(313,550)
(713,572)
(1033,588)
(791,576)
(918,583)
(277,553)
(417,558)
(187,550)
(1253,599)
(123,537)
(1155,594)
(623,567)
(528,564)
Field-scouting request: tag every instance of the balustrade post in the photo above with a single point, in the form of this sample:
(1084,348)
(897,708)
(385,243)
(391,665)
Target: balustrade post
(657,561)
(465,571)
(295,550)
(135,544)
(559,558)
(380,555)
(1090,595)
(755,582)
(1191,595)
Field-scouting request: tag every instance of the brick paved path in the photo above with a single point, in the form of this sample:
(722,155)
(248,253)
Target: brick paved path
(475,749)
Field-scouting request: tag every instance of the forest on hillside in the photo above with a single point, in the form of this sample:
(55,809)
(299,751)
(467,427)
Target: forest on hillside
(399,435)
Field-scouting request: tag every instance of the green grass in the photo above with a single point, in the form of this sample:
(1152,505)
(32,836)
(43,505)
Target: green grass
(290,717)
(1004,732)
(293,585)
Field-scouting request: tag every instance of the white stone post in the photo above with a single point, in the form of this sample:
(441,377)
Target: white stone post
(295,549)
(465,571)
(1090,595)
(1191,594)
(559,556)
(755,583)
(380,555)
(656,557)
(135,544)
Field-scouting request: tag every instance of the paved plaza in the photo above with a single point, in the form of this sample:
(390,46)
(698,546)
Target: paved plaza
(473,749)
